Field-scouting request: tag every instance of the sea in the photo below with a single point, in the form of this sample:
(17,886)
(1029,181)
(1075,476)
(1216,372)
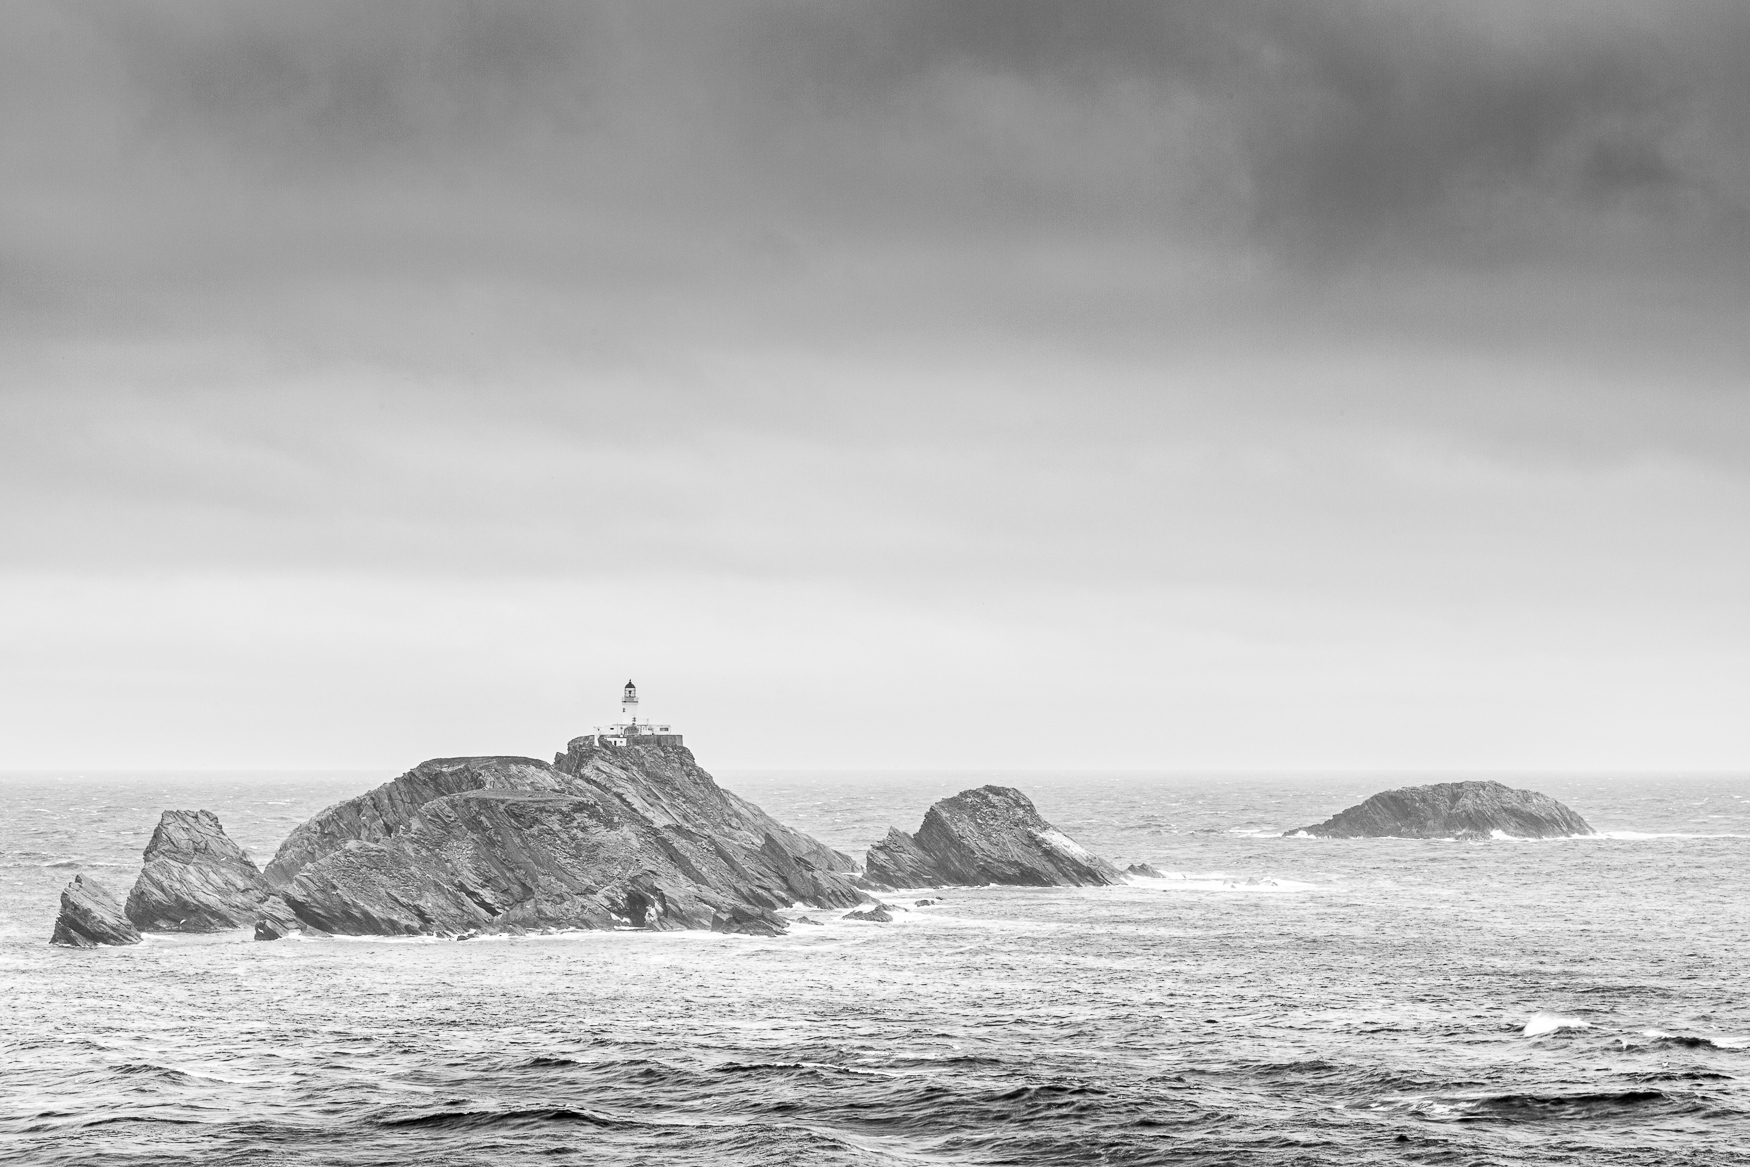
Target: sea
(1269,1000)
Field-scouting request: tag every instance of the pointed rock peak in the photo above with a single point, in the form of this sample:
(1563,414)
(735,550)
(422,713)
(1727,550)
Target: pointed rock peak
(195,878)
(191,835)
(91,916)
(990,834)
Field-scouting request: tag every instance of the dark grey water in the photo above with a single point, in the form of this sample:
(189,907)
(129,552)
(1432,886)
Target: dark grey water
(1277,1001)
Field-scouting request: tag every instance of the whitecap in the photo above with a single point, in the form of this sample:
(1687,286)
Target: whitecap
(1639,836)
(1218,881)
(1545,1023)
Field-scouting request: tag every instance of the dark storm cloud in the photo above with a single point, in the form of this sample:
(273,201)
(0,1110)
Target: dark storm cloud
(431,207)
(1323,127)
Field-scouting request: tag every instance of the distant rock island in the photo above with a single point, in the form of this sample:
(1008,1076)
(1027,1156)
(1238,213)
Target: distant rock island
(1453,810)
(991,834)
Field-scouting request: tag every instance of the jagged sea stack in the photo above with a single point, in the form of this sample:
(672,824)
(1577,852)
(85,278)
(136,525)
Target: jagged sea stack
(91,916)
(1453,810)
(620,831)
(989,835)
(196,879)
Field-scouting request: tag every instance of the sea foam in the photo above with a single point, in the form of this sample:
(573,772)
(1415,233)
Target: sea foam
(1545,1023)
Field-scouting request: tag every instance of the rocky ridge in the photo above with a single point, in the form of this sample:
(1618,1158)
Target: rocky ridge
(1448,810)
(992,834)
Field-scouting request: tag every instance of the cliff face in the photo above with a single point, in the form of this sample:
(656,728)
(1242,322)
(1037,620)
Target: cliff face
(1448,810)
(391,806)
(195,878)
(606,837)
(989,835)
(90,916)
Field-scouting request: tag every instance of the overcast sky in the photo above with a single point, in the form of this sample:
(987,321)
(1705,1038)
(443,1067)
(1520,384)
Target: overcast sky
(937,384)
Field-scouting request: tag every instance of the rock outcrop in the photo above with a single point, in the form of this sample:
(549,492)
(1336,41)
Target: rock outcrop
(275,920)
(195,878)
(91,916)
(989,835)
(605,837)
(1145,871)
(1449,810)
(879,914)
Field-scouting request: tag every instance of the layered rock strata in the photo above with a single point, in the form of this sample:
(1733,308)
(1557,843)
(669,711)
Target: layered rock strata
(1453,810)
(989,835)
(275,920)
(195,878)
(91,916)
(605,837)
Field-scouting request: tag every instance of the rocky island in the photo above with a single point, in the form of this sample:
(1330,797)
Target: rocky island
(615,833)
(992,834)
(1453,810)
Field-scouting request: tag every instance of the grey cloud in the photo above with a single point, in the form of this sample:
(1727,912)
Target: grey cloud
(1352,125)
(1346,318)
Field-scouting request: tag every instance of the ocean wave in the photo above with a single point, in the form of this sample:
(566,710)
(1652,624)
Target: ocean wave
(162,1073)
(486,1119)
(1681,1076)
(1542,1024)
(1641,836)
(1694,1041)
(1495,836)
(1524,1107)
(110,1119)
(808,1068)
(1218,881)
(1639,1103)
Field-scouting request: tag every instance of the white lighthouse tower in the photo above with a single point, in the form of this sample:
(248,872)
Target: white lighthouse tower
(629,731)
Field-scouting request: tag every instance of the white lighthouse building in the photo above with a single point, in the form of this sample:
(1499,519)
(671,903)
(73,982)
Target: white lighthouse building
(629,731)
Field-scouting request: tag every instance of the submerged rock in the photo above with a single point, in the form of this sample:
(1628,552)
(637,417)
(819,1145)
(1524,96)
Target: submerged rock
(606,837)
(879,914)
(91,916)
(1447,810)
(275,920)
(989,835)
(195,879)
(747,922)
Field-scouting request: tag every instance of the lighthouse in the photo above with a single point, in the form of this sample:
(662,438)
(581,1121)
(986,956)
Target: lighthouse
(629,731)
